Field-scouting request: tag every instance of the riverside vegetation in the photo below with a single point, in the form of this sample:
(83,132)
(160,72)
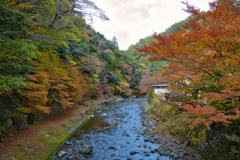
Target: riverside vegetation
(201,64)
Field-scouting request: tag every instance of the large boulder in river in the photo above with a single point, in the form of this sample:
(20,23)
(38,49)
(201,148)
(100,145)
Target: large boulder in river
(86,149)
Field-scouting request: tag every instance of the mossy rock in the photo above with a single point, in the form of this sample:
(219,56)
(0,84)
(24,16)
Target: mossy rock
(7,123)
(20,123)
(35,118)
(219,147)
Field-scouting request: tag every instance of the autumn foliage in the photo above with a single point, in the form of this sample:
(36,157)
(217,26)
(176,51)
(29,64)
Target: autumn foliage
(52,60)
(204,62)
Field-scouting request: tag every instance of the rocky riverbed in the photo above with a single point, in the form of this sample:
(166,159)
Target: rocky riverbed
(122,130)
(169,145)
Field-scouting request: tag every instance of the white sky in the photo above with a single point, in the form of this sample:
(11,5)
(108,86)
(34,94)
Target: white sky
(131,20)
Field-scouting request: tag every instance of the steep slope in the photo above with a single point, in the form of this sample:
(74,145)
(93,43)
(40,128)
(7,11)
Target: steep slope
(51,59)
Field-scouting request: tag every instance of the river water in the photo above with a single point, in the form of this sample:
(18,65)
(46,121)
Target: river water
(115,133)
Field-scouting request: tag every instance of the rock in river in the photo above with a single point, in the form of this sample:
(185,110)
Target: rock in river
(61,153)
(70,157)
(146,139)
(86,149)
(113,154)
(67,143)
(161,151)
(133,152)
(147,154)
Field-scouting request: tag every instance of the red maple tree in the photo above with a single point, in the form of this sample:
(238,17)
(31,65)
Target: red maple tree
(204,61)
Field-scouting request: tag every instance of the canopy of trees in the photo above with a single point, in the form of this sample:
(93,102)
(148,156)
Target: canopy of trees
(204,62)
(51,59)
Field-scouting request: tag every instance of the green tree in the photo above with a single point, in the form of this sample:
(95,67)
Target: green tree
(81,7)
(150,96)
(115,42)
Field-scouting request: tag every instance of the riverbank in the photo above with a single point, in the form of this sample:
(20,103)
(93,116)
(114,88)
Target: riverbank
(136,132)
(170,145)
(165,126)
(40,141)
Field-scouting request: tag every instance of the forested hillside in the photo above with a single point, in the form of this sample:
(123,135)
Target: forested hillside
(151,67)
(51,59)
(199,58)
(202,69)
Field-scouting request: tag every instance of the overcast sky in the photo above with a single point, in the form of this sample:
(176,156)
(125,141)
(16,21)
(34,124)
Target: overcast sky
(131,20)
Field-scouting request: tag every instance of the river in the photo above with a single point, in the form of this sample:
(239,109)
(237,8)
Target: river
(115,133)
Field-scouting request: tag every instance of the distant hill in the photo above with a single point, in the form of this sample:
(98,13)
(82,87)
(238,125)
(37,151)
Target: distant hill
(153,67)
